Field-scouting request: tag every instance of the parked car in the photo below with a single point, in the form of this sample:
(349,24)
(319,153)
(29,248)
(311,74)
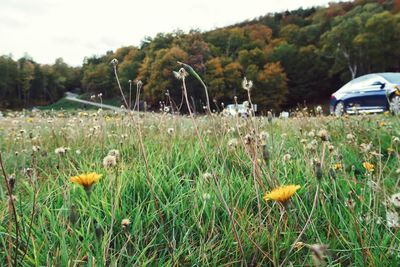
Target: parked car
(371,93)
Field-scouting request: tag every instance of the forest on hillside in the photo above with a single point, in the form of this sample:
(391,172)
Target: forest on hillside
(293,58)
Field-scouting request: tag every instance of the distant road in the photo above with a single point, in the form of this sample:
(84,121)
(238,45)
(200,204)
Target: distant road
(74,97)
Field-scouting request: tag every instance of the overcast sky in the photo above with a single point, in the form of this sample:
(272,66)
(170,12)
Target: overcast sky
(73,29)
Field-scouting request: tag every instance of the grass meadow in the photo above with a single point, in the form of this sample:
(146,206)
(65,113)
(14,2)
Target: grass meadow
(176,191)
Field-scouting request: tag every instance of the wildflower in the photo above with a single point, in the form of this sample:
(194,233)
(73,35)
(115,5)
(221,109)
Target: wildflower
(78,152)
(247,139)
(30,120)
(207,176)
(246,104)
(337,166)
(170,131)
(113,152)
(365,148)
(109,161)
(299,245)
(139,83)
(318,110)
(92,97)
(86,180)
(206,196)
(247,84)
(311,134)
(318,253)
(323,134)
(368,166)
(181,74)
(35,148)
(395,200)
(60,150)
(350,137)
(287,157)
(392,219)
(331,148)
(232,144)
(125,223)
(282,194)
(114,62)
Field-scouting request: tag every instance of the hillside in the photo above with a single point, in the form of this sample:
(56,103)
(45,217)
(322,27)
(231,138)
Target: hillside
(294,57)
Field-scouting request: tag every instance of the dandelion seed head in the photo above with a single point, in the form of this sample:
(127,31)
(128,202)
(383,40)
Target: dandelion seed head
(109,161)
(247,84)
(114,62)
(170,131)
(395,200)
(125,223)
(392,219)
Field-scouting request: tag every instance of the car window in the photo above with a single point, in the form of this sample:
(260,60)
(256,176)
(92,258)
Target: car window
(355,83)
(391,77)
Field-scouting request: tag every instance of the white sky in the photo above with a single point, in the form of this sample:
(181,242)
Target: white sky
(73,29)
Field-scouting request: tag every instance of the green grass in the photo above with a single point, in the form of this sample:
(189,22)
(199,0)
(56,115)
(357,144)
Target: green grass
(177,215)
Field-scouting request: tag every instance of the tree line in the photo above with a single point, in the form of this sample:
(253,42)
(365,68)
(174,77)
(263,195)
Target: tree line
(294,57)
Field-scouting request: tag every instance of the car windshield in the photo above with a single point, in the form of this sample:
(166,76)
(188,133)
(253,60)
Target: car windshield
(391,77)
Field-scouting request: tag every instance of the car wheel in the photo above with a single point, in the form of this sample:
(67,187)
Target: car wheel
(339,109)
(395,105)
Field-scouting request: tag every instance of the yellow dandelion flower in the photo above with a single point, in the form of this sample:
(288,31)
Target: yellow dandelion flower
(86,180)
(382,123)
(337,166)
(30,120)
(369,167)
(282,193)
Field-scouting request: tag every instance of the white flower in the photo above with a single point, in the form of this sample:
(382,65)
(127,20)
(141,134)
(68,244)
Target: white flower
(114,153)
(114,62)
(170,130)
(350,137)
(125,223)
(181,74)
(60,150)
(109,161)
(287,157)
(206,196)
(78,152)
(395,200)
(323,134)
(392,219)
(207,176)
(35,148)
(247,84)
(232,144)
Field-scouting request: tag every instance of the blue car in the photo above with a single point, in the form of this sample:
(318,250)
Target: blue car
(370,93)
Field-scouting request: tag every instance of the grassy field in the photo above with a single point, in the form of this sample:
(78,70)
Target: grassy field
(182,192)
